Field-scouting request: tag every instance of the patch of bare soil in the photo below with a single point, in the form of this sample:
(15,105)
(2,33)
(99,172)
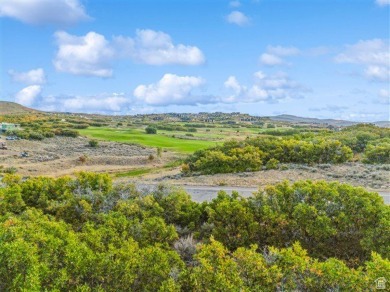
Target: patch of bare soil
(372,177)
(61,155)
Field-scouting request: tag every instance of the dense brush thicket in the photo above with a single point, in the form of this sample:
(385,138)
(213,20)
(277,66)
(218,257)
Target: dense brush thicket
(86,234)
(253,154)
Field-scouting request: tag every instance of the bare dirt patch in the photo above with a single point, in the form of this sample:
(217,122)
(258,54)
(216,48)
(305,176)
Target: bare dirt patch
(61,155)
(372,177)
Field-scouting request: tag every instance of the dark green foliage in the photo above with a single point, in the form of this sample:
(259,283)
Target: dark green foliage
(80,126)
(150,130)
(66,133)
(93,143)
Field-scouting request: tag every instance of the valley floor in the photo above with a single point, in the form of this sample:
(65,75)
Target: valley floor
(61,156)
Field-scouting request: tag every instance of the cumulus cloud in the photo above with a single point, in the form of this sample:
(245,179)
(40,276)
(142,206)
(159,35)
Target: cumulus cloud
(84,55)
(28,95)
(266,88)
(102,103)
(156,48)
(44,11)
(238,18)
(383,2)
(374,55)
(172,89)
(35,76)
(271,60)
(92,54)
(112,103)
(274,55)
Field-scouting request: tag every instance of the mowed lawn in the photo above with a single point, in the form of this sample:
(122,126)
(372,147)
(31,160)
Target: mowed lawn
(138,136)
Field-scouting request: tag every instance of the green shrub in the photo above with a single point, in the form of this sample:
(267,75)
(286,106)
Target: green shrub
(379,153)
(93,143)
(10,170)
(272,164)
(234,156)
(150,130)
(36,136)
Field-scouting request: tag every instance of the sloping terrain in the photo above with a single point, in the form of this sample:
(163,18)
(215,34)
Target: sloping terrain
(10,108)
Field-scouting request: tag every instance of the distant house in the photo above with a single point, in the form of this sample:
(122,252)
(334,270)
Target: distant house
(8,127)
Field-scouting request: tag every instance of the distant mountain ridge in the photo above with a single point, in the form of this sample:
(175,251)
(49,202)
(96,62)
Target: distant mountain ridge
(331,122)
(10,108)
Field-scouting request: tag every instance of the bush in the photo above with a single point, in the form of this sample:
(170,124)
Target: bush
(88,234)
(150,130)
(377,153)
(83,158)
(252,154)
(272,164)
(80,126)
(10,170)
(93,143)
(36,136)
(66,133)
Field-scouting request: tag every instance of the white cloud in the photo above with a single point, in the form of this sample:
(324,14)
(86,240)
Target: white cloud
(273,55)
(92,54)
(94,104)
(235,3)
(237,17)
(102,103)
(373,54)
(233,84)
(172,89)
(84,55)
(35,76)
(28,95)
(156,48)
(383,2)
(267,88)
(44,11)
(271,60)
(379,73)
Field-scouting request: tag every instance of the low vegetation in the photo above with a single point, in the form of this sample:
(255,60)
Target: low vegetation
(253,154)
(85,234)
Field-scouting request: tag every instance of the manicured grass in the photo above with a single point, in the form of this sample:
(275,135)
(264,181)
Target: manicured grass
(134,172)
(138,136)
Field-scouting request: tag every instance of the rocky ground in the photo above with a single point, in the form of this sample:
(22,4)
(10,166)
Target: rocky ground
(372,177)
(61,155)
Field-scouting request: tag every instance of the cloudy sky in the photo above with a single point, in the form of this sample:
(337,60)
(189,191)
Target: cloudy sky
(318,58)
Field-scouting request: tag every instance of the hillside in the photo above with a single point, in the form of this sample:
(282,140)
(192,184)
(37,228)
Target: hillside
(332,122)
(9,108)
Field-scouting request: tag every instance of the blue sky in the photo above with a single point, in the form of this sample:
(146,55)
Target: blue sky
(325,59)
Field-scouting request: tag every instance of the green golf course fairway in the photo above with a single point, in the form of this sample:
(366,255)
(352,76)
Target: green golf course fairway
(138,136)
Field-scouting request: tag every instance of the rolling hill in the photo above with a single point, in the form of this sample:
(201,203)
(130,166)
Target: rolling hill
(9,108)
(336,123)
